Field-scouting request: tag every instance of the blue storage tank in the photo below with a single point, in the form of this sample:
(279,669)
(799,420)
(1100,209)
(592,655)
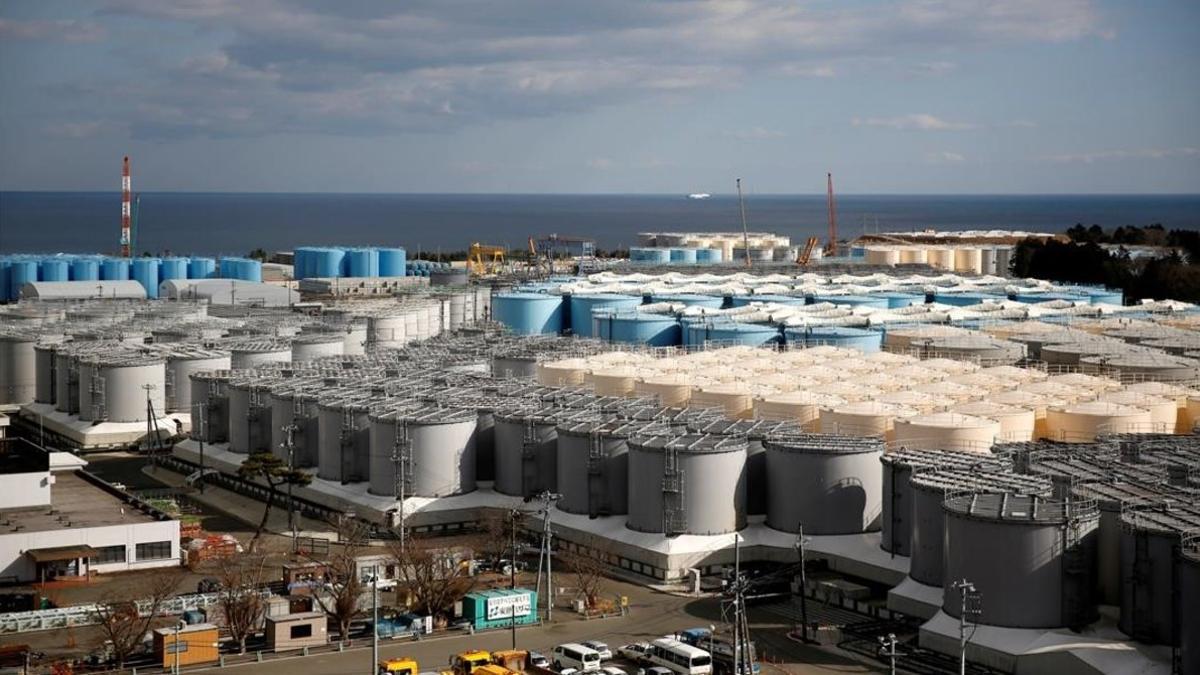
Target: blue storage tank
(362,262)
(145,272)
(392,262)
(21,271)
(709,255)
(528,313)
(114,269)
(249,270)
(327,263)
(202,268)
(650,255)
(964,299)
(634,327)
(1104,296)
(685,256)
(5,264)
(862,339)
(743,300)
(696,333)
(691,299)
(1048,296)
(854,300)
(85,269)
(173,268)
(55,269)
(897,300)
(582,306)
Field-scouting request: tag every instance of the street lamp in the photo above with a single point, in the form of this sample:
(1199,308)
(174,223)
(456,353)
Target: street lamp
(969,602)
(375,621)
(180,625)
(887,647)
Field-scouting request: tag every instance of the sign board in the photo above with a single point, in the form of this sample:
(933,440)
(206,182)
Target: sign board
(175,647)
(508,606)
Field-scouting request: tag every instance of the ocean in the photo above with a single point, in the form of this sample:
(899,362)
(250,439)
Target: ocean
(236,223)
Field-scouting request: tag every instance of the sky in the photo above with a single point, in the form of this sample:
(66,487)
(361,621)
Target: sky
(530,96)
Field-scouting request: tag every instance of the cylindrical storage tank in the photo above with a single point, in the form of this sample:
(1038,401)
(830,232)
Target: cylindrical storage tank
(392,262)
(828,484)
(1016,424)
(853,300)
(690,299)
(210,390)
(145,272)
(683,256)
(946,431)
(593,466)
(929,489)
(582,305)
(529,313)
(633,327)
(708,255)
(20,272)
(239,416)
(1189,612)
(1163,411)
(670,389)
(255,353)
(389,330)
(755,432)
(1151,600)
(173,268)
(896,300)
(457,276)
(180,368)
(968,259)
(659,256)
(690,484)
(85,269)
(1112,499)
(5,290)
(735,399)
(774,298)
(1141,366)
(344,444)
(526,451)
(433,447)
(562,373)
(358,262)
(615,381)
(987,260)
(18,369)
(43,357)
(862,339)
(330,263)
(295,404)
(864,418)
(802,407)
(312,347)
(66,382)
(976,349)
(1082,422)
(507,366)
(1070,353)
(202,268)
(54,269)
(700,333)
(89,406)
(941,258)
(1030,558)
(125,379)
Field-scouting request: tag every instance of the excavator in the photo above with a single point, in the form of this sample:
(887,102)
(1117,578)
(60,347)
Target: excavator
(485,259)
(805,255)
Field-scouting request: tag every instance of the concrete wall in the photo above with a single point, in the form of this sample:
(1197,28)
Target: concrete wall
(25,490)
(14,562)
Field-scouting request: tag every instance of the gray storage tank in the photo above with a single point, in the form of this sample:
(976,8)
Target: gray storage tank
(250,414)
(514,365)
(311,347)
(432,447)
(1031,560)
(210,389)
(345,437)
(1112,498)
(129,380)
(181,364)
(898,468)
(690,484)
(931,488)
(44,373)
(526,439)
(294,403)
(1189,612)
(255,353)
(593,465)
(754,431)
(830,484)
(18,368)
(1150,565)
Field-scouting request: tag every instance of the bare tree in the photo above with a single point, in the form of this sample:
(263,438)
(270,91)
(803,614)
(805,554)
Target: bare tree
(240,597)
(494,542)
(589,570)
(276,473)
(435,577)
(341,597)
(123,622)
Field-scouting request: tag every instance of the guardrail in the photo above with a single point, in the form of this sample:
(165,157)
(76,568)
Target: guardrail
(85,615)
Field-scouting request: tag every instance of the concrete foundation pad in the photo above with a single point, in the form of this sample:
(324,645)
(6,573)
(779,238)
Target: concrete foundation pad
(85,435)
(1099,648)
(914,598)
(644,553)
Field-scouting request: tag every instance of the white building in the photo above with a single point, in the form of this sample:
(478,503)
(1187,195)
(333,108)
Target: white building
(57,520)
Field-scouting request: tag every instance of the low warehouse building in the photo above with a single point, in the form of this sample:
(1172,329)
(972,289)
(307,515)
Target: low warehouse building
(296,631)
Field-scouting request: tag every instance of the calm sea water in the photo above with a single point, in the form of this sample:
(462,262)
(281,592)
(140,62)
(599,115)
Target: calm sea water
(219,223)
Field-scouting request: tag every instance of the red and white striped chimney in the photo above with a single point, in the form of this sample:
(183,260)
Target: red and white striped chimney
(126,210)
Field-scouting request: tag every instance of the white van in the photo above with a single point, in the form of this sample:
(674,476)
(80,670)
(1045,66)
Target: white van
(575,655)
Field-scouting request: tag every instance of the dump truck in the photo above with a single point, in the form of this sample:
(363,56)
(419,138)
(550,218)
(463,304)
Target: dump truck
(401,666)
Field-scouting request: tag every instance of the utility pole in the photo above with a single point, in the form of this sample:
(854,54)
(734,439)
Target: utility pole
(375,620)
(800,542)
(745,232)
(512,570)
(968,602)
(150,426)
(547,499)
(887,647)
(289,444)
(200,407)
(737,586)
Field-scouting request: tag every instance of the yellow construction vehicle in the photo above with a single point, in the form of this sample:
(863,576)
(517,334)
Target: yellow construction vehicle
(466,663)
(493,669)
(806,255)
(485,259)
(401,666)
(511,659)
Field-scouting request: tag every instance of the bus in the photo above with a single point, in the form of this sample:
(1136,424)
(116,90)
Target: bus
(679,657)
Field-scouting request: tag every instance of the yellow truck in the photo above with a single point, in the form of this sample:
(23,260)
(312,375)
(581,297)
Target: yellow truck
(466,663)
(400,666)
(512,660)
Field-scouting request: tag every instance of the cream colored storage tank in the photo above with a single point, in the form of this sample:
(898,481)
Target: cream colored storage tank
(670,390)
(615,381)
(923,403)
(1082,422)
(1178,394)
(968,259)
(562,373)
(941,258)
(803,407)
(947,431)
(865,418)
(1163,411)
(1017,424)
(736,399)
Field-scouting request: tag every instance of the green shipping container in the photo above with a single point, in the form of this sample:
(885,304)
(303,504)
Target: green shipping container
(497,608)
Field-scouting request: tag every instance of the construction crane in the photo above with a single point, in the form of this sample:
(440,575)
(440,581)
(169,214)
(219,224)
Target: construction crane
(831,248)
(485,259)
(806,254)
(126,210)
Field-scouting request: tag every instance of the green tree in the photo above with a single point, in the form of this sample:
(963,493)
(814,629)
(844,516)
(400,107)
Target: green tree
(275,472)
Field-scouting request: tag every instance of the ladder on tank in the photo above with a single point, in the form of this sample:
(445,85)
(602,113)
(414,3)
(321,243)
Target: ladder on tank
(1141,594)
(1077,578)
(346,440)
(529,458)
(402,462)
(99,398)
(674,513)
(169,389)
(597,503)
(254,417)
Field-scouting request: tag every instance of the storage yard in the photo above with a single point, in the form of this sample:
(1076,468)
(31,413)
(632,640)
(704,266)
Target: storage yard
(919,430)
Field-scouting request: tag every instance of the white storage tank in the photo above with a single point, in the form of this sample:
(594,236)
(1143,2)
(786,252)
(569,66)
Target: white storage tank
(181,364)
(433,448)
(828,484)
(249,354)
(18,368)
(312,347)
(562,373)
(947,431)
(669,389)
(801,407)
(736,399)
(1163,411)
(126,378)
(690,484)
(387,330)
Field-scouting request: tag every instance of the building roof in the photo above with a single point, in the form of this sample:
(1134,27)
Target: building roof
(78,290)
(55,553)
(18,455)
(78,500)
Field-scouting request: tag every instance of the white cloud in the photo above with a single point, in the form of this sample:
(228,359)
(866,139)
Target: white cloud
(944,157)
(1140,153)
(64,30)
(754,134)
(915,121)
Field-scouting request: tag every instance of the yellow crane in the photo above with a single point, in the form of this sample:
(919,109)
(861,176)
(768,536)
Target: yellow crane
(806,254)
(485,258)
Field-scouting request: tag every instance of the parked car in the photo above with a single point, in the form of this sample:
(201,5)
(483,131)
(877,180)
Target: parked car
(568,671)
(613,670)
(538,660)
(636,652)
(654,670)
(208,585)
(601,649)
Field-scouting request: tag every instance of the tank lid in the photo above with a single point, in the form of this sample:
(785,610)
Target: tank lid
(609,428)
(755,430)
(967,480)
(1164,515)
(828,444)
(1018,509)
(1113,493)
(945,459)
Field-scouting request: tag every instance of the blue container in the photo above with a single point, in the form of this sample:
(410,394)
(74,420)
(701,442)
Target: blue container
(5,264)
(21,272)
(743,300)
(362,262)
(650,255)
(1048,296)
(114,269)
(731,333)
(691,300)
(862,339)
(85,269)
(965,299)
(581,308)
(854,300)
(528,313)
(684,256)
(55,269)
(392,262)
(639,328)
(709,255)
(202,268)
(173,268)
(500,608)
(250,270)
(1106,297)
(145,272)
(897,300)
(328,263)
